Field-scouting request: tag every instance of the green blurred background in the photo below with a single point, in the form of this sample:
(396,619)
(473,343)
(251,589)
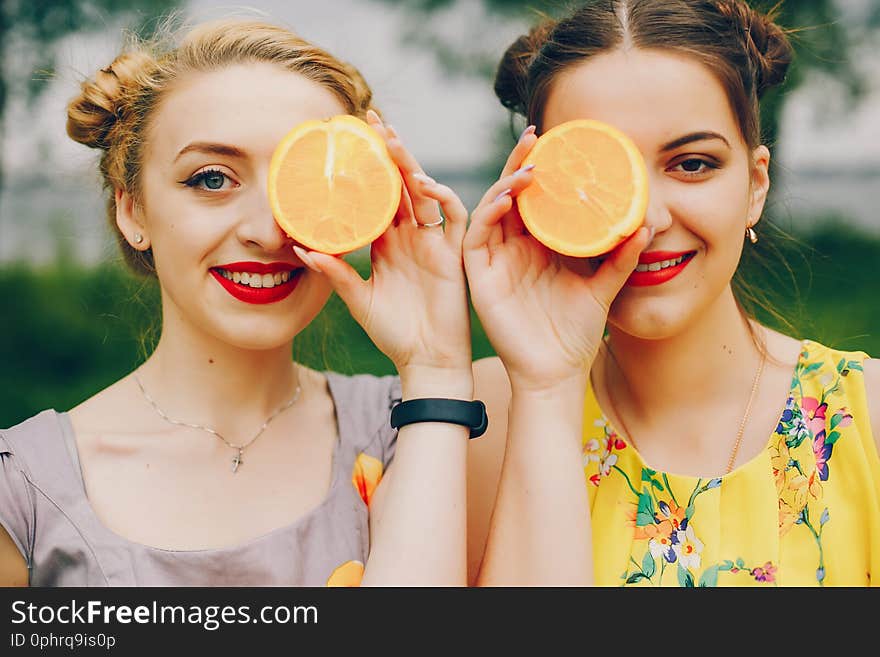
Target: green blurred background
(74,323)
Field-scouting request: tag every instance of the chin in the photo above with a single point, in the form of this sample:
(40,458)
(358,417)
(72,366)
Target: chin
(649,321)
(259,330)
(259,336)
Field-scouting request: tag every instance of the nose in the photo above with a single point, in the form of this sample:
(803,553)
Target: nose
(257,227)
(657,214)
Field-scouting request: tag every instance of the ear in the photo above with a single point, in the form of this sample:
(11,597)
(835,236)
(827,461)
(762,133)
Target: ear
(760,183)
(130,222)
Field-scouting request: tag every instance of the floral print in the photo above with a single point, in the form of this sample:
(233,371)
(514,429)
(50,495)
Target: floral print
(366,475)
(348,574)
(674,530)
(603,452)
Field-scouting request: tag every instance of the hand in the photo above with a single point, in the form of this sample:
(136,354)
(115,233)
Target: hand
(544,319)
(414,305)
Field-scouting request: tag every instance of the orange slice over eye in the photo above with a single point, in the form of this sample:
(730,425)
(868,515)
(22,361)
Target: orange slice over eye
(590,190)
(333,186)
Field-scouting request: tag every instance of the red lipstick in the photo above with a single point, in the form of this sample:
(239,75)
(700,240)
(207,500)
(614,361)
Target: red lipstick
(259,295)
(648,278)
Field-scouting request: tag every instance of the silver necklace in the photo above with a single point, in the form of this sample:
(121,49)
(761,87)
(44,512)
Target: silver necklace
(239,449)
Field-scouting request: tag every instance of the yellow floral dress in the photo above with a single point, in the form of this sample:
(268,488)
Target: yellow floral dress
(804,512)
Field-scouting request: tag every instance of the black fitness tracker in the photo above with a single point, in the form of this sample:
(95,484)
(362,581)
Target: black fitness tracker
(471,414)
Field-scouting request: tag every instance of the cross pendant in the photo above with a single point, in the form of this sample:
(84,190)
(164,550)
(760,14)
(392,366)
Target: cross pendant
(236,461)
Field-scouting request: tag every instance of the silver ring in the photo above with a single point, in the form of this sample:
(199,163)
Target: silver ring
(434,224)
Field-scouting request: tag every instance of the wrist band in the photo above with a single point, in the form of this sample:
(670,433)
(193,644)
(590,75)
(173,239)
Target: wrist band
(456,411)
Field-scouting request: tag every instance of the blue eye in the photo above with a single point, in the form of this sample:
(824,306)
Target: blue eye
(213,180)
(210,179)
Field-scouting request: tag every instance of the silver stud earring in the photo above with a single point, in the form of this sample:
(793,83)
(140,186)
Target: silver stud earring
(138,238)
(752,235)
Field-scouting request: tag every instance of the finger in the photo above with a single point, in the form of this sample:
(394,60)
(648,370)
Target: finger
(453,209)
(425,210)
(618,265)
(514,162)
(405,213)
(484,232)
(375,122)
(348,284)
(523,145)
(515,182)
(512,224)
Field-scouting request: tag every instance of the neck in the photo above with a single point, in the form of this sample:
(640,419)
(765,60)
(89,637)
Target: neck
(683,370)
(198,378)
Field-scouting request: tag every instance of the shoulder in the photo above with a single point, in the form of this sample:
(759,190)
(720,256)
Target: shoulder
(366,396)
(362,405)
(27,452)
(815,353)
(836,371)
(30,435)
(108,409)
(33,454)
(850,376)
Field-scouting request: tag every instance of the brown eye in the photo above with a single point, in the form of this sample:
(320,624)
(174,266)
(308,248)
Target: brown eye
(695,167)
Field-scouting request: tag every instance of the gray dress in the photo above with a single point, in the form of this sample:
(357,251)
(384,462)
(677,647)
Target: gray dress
(44,508)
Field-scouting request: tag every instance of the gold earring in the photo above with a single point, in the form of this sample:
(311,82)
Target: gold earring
(138,238)
(752,235)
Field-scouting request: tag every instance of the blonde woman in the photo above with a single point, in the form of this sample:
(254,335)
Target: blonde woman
(220,461)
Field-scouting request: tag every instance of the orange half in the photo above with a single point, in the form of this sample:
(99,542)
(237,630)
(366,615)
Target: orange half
(333,186)
(590,190)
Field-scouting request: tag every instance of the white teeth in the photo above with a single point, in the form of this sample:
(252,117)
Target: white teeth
(657,266)
(256,280)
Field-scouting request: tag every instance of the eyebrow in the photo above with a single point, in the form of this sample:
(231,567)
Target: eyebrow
(210,148)
(694,136)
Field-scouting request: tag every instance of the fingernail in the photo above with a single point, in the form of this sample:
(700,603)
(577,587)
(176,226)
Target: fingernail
(524,169)
(421,177)
(374,116)
(506,192)
(529,130)
(306,258)
(392,131)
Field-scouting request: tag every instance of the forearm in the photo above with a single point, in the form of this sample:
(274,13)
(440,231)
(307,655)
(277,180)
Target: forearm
(418,537)
(540,530)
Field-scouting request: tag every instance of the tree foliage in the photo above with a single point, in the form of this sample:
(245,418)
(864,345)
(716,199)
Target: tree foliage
(32,27)
(826,37)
